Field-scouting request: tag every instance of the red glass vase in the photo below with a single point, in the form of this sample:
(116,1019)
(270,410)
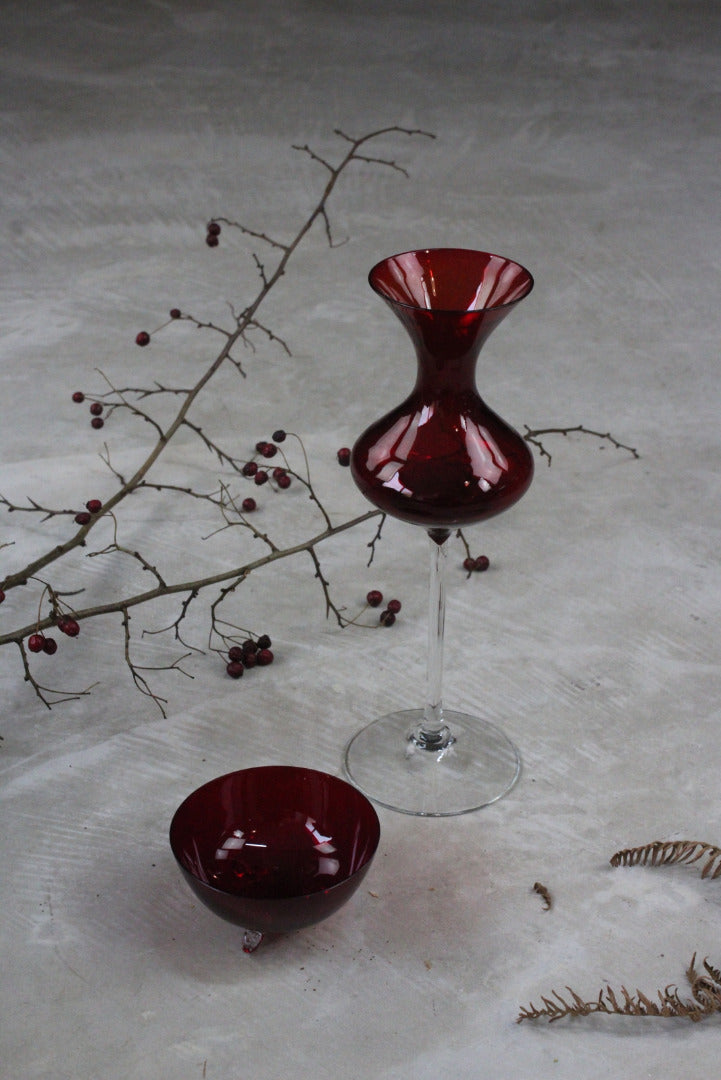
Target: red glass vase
(442,459)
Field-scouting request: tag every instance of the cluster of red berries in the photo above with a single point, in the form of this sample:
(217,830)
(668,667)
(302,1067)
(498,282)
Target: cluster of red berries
(267,449)
(92,506)
(388,616)
(212,234)
(38,642)
(96,409)
(249,655)
(479,564)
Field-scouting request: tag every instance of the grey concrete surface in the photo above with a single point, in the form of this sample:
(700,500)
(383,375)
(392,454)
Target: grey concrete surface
(581,139)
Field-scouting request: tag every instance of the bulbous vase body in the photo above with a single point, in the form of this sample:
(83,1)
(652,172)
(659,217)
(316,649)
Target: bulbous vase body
(443,458)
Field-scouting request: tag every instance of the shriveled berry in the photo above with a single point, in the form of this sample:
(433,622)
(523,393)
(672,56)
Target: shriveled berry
(96,408)
(36,642)
(94,506)
(264,657)
(261,477)
(264,642)
(213,229)
(50,646)
(250,646)
(175,313)
(235,652)
(374,598)
(284,481)
(97,422)
(250,468)
(249,505)
(481,563)
(344,455)
(279,435)
(387,618)
(235,669)
(69,626)
(82,518)
(143,338)
(78,397)
(211,240)
(394,606)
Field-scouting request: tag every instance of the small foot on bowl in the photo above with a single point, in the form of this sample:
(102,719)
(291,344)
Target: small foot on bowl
(251,940)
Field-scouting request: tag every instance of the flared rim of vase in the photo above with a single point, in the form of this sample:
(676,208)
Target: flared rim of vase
(524,286)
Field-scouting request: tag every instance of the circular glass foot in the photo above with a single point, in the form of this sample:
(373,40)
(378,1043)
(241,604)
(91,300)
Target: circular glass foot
(478,766)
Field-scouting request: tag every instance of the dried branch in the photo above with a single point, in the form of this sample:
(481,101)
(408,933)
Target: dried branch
(666,853)
(532,435)
(705,1000)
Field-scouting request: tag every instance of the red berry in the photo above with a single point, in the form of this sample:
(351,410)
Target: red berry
(278,471)
(284,481)
(96,408)
(261,477)
(374,598)
(235,653)
(264,642)
(143,338)
(250,659)
(250,468)
(78,396)
(213,229)
(69,626)
(481,563)
(279,435)
(269,450)
(175,313)
(469,563)
(394,606)
(249,505)
(235,669)
(344,456)
(97,422)
(94,506)
(2,596)
(36,642)
(82,518)
(249,646)
(387,618)
(50,646)
(264,657)
(211,240)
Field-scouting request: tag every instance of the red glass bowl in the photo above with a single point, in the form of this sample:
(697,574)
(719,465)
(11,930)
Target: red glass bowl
(275,848)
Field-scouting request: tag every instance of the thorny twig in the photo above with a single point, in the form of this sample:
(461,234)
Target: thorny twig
(532,435)
(120,398)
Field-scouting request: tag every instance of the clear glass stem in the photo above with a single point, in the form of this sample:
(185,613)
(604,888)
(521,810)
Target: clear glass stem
(432,733)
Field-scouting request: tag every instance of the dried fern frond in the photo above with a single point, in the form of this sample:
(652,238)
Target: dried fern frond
(704,1001)
(664,853)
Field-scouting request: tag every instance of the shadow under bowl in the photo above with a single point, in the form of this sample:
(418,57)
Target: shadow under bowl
(275,848)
